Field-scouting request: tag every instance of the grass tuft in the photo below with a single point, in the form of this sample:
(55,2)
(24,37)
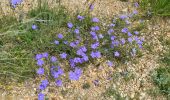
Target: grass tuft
(156,7)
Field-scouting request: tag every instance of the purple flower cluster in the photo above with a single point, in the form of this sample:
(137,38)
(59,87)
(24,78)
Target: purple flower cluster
(15,2)
(75,75)
(124,30)
(56,73)
(43,85)
(96,54)
(87,44)
(63,55)
(41,96)
(95,45)
(39,58)
(95,28)
(91,7)
(94,35)
(40,71)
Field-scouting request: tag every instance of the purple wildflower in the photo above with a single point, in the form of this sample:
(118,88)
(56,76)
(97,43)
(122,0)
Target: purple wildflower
(115,43)
(136,38)
(101,36)
(60,71)
(70,25)
(127,22)
(77,42)
(93,55)
(130,40)
(91,7)
(113,38)
(59,82)
(110,31)
(83,48)
(123,17)
(44,84)
(129,34)
(96,20)
(112,25)
(136,4)
(136,32)
(140,46)
(80,18)
(116,54)
(76,31)
(53,59)
(40,71)
(77,60)
(75,75)
(97,28)
(124,30)
(73,44)
(72,64)
(110,64)
(95,45)
(92,28)
(80,52)
(40,62)
(38,56)
(93,33)
(56,42)
(123,41)
(34,27)
(41,96)
(60,36)
(96,54)
(135,12)
(45,55)
(55,74)
(63,55)
(139,42)
(85,58)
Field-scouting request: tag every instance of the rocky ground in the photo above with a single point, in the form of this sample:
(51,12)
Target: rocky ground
(139,73)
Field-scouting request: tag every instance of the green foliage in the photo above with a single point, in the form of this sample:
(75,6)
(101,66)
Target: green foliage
(162,79)
(7,21)
(19,43)
(162,74)
(156,7)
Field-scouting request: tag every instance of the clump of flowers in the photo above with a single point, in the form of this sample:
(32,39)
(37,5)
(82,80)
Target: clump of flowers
(14,3)
(84,42)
